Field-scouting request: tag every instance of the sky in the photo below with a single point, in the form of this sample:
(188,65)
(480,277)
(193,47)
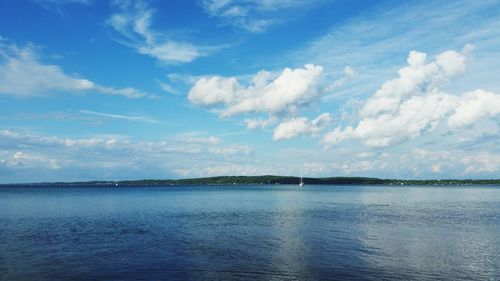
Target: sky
(122,90)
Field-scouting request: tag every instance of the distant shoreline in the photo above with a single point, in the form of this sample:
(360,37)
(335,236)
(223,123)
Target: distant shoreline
(263,180)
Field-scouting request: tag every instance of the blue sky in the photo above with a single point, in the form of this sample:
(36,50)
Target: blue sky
(108,90)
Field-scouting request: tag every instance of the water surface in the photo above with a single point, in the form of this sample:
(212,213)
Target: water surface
(250,233)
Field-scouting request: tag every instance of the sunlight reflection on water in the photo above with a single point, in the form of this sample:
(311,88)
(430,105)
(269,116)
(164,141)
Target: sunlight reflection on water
(248,233)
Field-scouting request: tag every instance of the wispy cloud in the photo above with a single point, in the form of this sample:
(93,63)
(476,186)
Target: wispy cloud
(168,88)
(255,16)
(122,117)
(62,2)
(133,22)
(22,74)
(178,83)
(57,5)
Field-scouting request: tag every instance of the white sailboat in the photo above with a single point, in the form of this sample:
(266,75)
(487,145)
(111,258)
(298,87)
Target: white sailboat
(301,183)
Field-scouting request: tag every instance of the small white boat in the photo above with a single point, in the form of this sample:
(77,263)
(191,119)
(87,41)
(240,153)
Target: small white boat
(301,183)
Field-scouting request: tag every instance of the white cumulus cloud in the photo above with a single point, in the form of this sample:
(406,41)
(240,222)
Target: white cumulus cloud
(259,122)
(414,103)
(280,97)
(474,106)
(301,126)
(213,91)
(292,89)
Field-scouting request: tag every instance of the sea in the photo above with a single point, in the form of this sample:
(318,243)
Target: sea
(264,232)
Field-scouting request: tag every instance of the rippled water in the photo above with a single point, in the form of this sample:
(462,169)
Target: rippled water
(250,233)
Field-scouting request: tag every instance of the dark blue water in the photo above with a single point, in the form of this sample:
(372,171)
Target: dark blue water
(250,233)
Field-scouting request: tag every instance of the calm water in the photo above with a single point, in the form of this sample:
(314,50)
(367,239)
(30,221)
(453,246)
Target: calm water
(250,233)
